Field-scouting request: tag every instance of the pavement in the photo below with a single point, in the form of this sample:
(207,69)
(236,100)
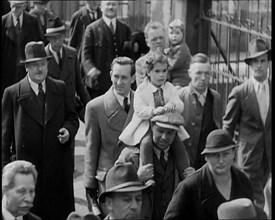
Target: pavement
(79,190)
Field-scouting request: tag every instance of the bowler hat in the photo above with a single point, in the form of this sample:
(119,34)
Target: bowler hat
(256,48)
(241,208)
(35,51)
(76,216)
(217,141)
(169,120)
(122,178)
(54,27)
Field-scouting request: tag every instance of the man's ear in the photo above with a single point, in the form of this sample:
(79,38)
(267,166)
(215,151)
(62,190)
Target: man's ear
(111,73)
(189,73)
(109,203)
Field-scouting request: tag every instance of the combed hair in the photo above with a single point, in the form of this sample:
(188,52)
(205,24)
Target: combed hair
(155,25)
(13,168)
(177,23)
(200,58)
(124,61)
(154,57)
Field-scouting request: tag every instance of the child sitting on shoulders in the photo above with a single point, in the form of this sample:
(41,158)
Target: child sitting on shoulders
(178,55)
(155,96)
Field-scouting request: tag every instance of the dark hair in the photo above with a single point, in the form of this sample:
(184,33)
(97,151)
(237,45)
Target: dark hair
(124,61)
(154,57)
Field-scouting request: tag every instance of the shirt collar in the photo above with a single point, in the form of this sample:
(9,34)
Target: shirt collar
(121,98)
(157,152)
(6,214)
(193,90)
(257,84)
(54,52)
(108,21)
(154,88)
(15,19)
(34,85)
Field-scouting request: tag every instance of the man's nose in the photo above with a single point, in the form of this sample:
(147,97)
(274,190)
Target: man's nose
(28,197)
(134,204)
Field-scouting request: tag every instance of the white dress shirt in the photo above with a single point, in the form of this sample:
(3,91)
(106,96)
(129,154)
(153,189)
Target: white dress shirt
(108,21)
(34,86)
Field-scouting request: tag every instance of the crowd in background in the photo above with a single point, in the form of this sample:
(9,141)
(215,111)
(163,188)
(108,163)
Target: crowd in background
(159,143)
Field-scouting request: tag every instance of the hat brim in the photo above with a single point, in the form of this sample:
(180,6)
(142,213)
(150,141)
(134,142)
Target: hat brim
(35,59)
(217,150)
(248,59)
(130,188)
(53,34)
(169,126)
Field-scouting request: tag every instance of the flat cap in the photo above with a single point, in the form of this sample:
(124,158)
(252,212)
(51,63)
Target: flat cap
(171,120)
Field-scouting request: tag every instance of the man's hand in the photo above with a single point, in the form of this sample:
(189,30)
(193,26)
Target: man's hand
(93,206)
(63,136)
(188,171)
(146,172)
(92,77)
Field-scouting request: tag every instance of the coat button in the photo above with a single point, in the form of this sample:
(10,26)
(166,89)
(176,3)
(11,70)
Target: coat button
(23,145)
(193,123)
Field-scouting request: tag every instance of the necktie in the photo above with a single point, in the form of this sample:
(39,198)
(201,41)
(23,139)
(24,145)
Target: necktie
(125,103)
(41,94)
(158,98)
(59,60)
(112,27)
(162,160)
(17,26)
(263,100)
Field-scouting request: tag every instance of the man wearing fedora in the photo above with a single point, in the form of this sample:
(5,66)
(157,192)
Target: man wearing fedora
(123,195)
(18,28)
(43,13)
(249,110)
(104,40)
(89,13)
(218,181)
(64,64)
(164,128)
(39,124)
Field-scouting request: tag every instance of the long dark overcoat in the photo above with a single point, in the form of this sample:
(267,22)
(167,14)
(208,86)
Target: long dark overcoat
(30,139)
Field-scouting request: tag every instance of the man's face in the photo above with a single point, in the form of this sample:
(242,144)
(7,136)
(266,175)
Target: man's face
(38,70)
(20,197)
(17,9)
(220,163)
(56,41)
(158,75)
(155,39)
(162,137)
(93,5)
(200,74)
(259,66)
(125,205)
(175,35)
(109,8)
(122,79)
(42,7)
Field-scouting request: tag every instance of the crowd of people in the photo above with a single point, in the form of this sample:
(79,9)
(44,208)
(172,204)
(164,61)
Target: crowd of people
(158,143)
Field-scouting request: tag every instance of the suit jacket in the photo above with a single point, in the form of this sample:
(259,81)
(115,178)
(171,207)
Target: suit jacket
(80,20)
(105,118)
(29,216)
(254,137)
(31,31)
(70,72)
(26,135)
(190,114)
(99,49)
(197,197)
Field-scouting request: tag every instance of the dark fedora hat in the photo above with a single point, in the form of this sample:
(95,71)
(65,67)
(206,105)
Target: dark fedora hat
(54,27)
(122,178)
(241,208)
(35,51)
(217,141)
(257,47)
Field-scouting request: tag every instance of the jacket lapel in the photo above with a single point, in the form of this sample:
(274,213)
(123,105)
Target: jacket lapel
(28,101)
(114,111)
(67,61)
(10,32)
(106,31)
(54,98)
(85,18)
(53,68)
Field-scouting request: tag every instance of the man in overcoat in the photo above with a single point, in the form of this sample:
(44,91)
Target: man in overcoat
(103,41)
(202,108)
(89,13)
(38,125)
(18,28)
(249,109)
(105,118)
